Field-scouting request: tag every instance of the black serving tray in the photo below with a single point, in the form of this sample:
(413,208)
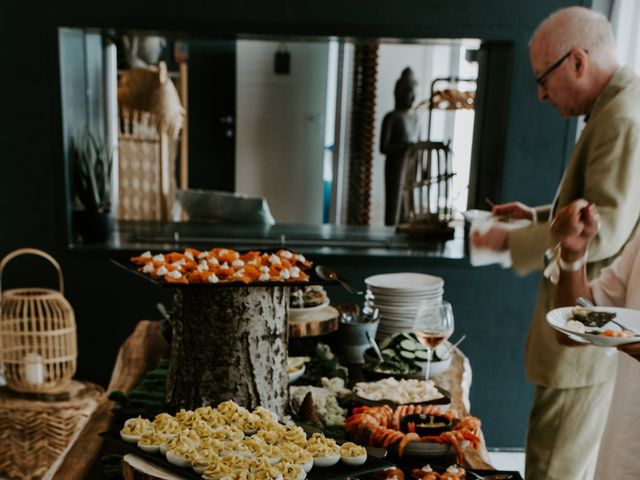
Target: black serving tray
(444,400)
(337,472)
(314,279)
(441,467)
(514,475)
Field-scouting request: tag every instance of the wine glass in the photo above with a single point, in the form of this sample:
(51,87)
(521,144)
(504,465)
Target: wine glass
(433,325)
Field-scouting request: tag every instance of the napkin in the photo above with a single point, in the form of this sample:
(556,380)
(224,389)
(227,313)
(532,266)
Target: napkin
(484,256)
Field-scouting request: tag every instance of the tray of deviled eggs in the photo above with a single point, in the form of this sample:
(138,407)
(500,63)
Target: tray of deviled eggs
(229,442)
(223,267)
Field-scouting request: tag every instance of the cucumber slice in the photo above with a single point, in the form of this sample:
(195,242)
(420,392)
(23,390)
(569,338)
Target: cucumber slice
(408,345)
(420,347)
(421,355)
(407,355)
(389,352)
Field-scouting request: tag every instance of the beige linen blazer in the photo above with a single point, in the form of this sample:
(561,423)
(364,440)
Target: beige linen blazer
(604,169)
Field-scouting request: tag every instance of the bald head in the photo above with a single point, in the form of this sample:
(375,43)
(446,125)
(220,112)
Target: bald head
(576,27)
(573,57)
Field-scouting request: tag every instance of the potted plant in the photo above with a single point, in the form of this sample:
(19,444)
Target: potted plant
(92,183)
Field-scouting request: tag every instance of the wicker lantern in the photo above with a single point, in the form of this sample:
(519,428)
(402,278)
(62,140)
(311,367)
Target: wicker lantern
(38,347)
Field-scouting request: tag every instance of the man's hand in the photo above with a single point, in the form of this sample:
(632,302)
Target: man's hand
(632,349)
(513,210)
(496,239)
(573,227)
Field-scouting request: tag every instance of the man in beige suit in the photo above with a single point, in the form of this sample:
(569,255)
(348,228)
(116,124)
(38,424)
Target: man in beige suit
(573,57)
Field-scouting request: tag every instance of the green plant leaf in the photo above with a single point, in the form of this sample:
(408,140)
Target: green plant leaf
(92,168)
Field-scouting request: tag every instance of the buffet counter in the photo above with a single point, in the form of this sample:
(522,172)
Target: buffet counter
(130,237)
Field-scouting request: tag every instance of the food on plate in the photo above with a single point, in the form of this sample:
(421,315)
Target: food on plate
(202,458)
(325,400)
(425,473)
(403,354)
(425,424)
(150,441)
(390,474)
(398,391)
(296,363)
(229,441)
(325,451)
(135,428)
(180,459)
(308,297)
(291,471)
(453,472)
(617,333)
(223,265)
(586,320)
(380,426)
(353,454)
(591,318)
(296,367)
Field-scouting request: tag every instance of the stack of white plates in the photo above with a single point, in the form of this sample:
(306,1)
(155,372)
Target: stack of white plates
(397,297)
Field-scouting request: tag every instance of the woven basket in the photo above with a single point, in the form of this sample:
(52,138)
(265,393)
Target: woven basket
(38,347)
(34,435)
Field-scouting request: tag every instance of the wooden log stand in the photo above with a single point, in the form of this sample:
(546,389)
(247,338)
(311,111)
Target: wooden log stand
(229,342)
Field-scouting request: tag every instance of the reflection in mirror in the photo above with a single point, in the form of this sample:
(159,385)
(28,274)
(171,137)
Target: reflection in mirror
(225,117)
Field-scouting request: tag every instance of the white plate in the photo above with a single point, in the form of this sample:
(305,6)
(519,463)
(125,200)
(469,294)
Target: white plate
(404,295)
(399,312)
(296,374)
(629,318)
(399,303)
(408,282)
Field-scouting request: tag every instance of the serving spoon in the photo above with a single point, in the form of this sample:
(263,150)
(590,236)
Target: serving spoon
(329,275)
(373,343)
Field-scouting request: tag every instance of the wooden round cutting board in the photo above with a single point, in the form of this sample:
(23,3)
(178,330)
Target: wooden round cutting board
(137,468)
(317,322)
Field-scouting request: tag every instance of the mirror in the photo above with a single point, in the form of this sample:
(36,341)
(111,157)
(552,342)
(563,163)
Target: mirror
(273,117)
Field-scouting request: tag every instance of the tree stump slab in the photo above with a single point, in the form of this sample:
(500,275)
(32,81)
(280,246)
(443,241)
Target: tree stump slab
(229,343)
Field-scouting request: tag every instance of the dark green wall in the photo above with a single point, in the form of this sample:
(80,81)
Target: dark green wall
(492,306)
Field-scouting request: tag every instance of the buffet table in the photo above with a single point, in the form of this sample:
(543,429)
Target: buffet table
(140,353)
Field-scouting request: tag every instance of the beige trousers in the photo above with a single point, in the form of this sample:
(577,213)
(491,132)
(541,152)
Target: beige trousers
(565,427)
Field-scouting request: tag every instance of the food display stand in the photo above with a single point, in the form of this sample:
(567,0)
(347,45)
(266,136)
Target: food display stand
(229,341)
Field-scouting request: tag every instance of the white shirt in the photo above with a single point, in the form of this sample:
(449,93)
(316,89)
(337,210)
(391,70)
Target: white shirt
(619,456)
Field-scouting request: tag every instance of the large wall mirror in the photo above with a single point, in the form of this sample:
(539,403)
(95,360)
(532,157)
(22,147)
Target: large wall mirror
(267,117)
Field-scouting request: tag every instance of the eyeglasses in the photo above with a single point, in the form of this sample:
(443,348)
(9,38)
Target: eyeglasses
(540,80)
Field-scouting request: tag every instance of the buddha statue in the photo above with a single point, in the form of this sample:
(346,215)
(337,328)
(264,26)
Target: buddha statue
(400,129)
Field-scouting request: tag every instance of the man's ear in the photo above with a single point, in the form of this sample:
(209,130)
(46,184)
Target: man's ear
(580,61)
